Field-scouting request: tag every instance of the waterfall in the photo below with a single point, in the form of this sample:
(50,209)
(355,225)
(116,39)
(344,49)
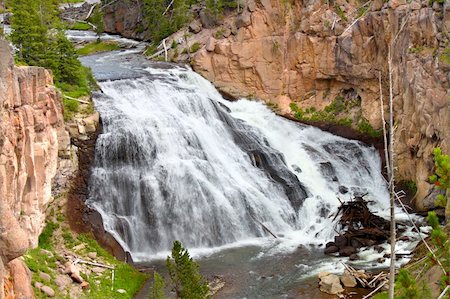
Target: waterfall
(178,162)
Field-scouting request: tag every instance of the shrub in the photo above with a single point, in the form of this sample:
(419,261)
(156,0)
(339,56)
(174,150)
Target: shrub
(184,273)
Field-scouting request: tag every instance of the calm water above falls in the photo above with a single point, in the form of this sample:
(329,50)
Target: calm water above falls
(177,161)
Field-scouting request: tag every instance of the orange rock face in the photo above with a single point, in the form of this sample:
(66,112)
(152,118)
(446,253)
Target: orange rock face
(304,52)
(30,116)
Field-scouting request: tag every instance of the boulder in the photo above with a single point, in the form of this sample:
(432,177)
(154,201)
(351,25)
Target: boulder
(206,19)
(347,251)
(62,281)
(48,291)
(340,241)
(195,26)
(243,20)
(251,5)
(210,44)
(331,284)
(348,280)
(45,276)
(92,255)
(331,249)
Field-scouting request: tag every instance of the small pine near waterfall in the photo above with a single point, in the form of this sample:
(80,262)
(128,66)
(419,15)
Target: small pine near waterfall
(224,149)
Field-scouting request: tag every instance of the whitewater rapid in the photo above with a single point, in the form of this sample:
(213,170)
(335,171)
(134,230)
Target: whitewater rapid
(178,162)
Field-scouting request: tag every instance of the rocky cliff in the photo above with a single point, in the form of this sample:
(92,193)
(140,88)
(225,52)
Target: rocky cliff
(318,54)
(314,52)
(31,117)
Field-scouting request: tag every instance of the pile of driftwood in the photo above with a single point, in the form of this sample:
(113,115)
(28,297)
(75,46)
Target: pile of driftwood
(359,228)
(335,285)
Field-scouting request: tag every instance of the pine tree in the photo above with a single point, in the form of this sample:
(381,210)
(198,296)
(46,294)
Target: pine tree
(97,20)
(29,33)
(157,289)
(187,281)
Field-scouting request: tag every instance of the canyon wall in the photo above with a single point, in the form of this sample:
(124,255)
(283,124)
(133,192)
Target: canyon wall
(31,136)
(311,52)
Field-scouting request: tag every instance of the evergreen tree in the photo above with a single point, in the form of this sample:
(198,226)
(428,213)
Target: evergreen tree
(157,289)
(97,20)
(187,281)
(29,32)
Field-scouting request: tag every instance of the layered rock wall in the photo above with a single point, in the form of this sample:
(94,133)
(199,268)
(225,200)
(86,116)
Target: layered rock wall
(304,52)
(31,117)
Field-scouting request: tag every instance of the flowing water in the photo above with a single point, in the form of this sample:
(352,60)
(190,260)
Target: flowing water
(176,161)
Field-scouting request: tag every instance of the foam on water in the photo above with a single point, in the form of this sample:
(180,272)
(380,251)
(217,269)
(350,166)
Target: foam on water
(177,161)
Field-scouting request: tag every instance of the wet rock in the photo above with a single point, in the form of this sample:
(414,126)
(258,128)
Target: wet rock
(329,244)
(347,251)
(356,243)
(378,249)
(340,241)
(331,249)
(343,190)
(330,284)
(48,291)
(348,280)
(353,257)
(381,260)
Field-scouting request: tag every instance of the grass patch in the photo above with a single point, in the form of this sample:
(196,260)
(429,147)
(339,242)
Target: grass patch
(195,47)
(445,56)
(97,47)
(45,239)
(340,13)
(126,277)
(365,127)
(86,84)
(80,26)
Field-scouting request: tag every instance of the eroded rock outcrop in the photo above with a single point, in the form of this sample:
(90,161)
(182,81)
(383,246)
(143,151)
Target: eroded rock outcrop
(31,116)
(309,53)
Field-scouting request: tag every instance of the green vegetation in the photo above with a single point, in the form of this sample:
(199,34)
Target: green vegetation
(365,127)
(39,36)
(101,285)
(411,186)
(157,288)
(163,23)
(80,26)
(195,47)
(445,56)
(187,282)
(340,13)
(45,239)
(97,20)
(97,47)
(441,177)
(407,288)
(430,2)
(335,113)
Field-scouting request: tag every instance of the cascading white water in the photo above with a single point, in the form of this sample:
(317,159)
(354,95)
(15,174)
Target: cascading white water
(177,162)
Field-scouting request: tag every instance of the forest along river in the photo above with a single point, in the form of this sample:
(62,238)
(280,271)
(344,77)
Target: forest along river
(177,161)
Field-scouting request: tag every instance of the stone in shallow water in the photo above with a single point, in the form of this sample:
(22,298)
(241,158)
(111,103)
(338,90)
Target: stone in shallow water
(331,284)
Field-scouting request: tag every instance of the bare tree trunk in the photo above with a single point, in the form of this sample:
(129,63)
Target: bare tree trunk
(386,150)
(391,178)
